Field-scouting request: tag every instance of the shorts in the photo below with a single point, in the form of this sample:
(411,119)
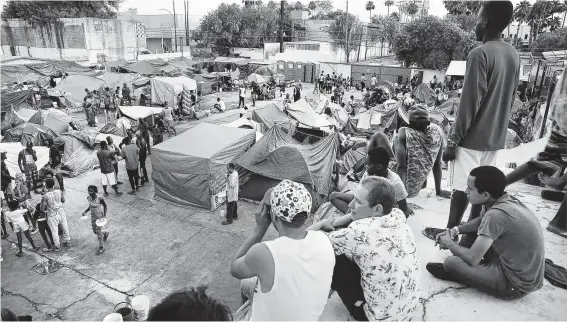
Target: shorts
(108,179)
(96,229)
(168,123)
(465,162)
(21,227)
(31,173)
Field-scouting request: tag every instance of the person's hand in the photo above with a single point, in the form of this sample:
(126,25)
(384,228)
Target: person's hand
(263,218)
(444,239)
(267,197)
(409,212)
(444,194)
(450,154)
(327,225)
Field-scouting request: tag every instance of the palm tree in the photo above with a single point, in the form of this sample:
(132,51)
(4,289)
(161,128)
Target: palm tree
(389,3)
(370,6)
(521,13)
(411,9)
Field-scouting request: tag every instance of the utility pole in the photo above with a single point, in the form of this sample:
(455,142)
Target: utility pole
(188,26)
(281,25)
(175,25)
(347,32)
(185,19)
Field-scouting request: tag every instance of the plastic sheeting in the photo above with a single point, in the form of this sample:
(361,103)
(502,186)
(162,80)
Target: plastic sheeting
(278,156)
(190,169)
(79,155)
(136,112)
(270,116)
(73,87)
(35,133)
(305,115)
(113,80)
(17,100)
(246,122)
(120,128)
(424,94)
(166,89)
(52,118)
(19,74)
(142,67)
(13,150)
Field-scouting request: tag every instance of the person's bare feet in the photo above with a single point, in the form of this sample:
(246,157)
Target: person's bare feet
(555,183)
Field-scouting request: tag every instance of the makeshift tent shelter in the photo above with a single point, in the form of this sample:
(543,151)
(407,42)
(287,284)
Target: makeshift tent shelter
(190,169)
(120,128)
(185,64)
(456,68)
(142,67)
(166,89)
(113,80)
(20,74)
(424,94)
(52,118)
(73,87)
(352,129)
(79,155)
(277,156)
(13,149)
(449,107)
(17,100)
(304,114)
(12,119)
(258,79)
(246,123)
(205,83)
(271,115)
(26,132)
(136,112)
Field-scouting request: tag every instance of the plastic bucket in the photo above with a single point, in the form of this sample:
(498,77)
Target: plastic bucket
(126,311)
(223,214)
(113,317)
(141,306)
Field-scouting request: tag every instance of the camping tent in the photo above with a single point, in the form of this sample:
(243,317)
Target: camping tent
(52,118)
(25,132)
(166,89)
(272,115)
(13,150)
(277,156)
(73,87)
(424,94)
(79,155)
(190,169)
(306,116)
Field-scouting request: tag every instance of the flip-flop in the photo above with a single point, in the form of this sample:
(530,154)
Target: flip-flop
(555,231)
(431,233)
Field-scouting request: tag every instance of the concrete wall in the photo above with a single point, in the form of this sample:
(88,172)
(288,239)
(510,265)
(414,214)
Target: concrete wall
(337,68)
(327,49)
(391,74)
(80,39)
(429,73)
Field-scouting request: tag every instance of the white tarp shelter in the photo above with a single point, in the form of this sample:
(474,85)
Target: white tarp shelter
(166,89)
(456,68)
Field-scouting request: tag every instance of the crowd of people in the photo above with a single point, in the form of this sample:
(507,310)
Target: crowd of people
(368,254)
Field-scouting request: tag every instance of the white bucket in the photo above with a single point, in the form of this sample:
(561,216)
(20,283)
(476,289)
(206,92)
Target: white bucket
(141,306)
(223,214)
(113,317)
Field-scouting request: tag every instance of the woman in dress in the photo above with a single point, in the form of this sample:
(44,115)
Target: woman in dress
(97,207)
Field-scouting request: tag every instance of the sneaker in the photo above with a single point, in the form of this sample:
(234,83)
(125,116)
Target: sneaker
(34,231)
(119,182)
(105,236)
(431,233)
(118,194)
(100,250)
(106,194)
(133,192)
(227,222)
(56,249)
(46,250)
(19,254)
(437,270)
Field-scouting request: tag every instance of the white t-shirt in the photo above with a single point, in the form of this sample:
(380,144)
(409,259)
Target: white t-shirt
(16,216)
(222,106)
(168,113)
(373,80)
(396,181)
(242,91)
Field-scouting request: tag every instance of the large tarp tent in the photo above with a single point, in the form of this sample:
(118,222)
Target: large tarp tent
(278,156)
(424,94)
(17,100)
(166,89)
(26,132)
(52,118)
(113,80)
(246,123)
(205,82)
(19,74)
(79,155)
(270,116)
(142,67)
(136,112)
(73,87)
(190,169)
(303,113)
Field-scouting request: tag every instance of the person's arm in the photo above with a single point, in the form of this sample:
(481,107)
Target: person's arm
(403,204)
(474,89)
(438,174)
(43,204)
(471,256)
(470,227)
(401,154)
(21,161)
(104,207)
(62,198)
(86,210)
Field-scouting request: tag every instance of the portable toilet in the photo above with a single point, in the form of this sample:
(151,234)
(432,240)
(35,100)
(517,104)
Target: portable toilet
(280,68)
(290,71)
(310,75)
(299,71)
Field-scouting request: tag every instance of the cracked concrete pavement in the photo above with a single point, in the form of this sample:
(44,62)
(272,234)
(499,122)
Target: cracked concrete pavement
(155,248)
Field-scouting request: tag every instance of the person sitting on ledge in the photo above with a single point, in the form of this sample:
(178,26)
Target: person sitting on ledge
(502,251)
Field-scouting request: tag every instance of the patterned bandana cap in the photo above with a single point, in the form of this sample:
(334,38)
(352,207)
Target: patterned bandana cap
(288,199)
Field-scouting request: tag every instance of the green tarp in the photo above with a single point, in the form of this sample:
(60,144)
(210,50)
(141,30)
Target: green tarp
(73,87)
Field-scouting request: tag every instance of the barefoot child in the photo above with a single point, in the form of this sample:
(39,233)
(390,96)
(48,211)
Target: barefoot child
(16,217)
(97,207)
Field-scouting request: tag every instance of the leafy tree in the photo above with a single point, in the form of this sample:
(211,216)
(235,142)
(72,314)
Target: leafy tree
(555,40)
(462,7)
(325,6)
(410,8)
(521,12)
(339,28)
(541,15)
(298,6)
(388,4)
(431,42)
(389,27)
(369,7)
(46,12)
(466,22)
(395,15)
(312,6)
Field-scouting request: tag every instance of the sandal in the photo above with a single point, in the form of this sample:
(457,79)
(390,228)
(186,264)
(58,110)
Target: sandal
(431,233)
(556,231)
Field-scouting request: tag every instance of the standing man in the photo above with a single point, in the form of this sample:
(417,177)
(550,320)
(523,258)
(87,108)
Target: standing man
(52,203)
(26,161)
(231,195)
(55,163)
(126,94)
(168,119)
(480,128)
(242,95)
(362,82)
(6,179)
(373,80)
(144,129)
(130,154)
(116,152)
(141,142)
(106,159)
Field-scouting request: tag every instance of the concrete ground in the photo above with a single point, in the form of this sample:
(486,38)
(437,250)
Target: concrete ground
(155,248)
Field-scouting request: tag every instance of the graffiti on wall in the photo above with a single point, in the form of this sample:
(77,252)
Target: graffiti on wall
(54,36)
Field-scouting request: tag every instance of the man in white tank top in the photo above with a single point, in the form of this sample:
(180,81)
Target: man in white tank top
(293,271)
(377,271)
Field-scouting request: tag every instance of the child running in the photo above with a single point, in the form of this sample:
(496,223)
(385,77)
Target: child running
(97,207)
(16,217)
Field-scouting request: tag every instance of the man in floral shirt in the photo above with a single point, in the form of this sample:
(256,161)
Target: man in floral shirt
(376,273)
